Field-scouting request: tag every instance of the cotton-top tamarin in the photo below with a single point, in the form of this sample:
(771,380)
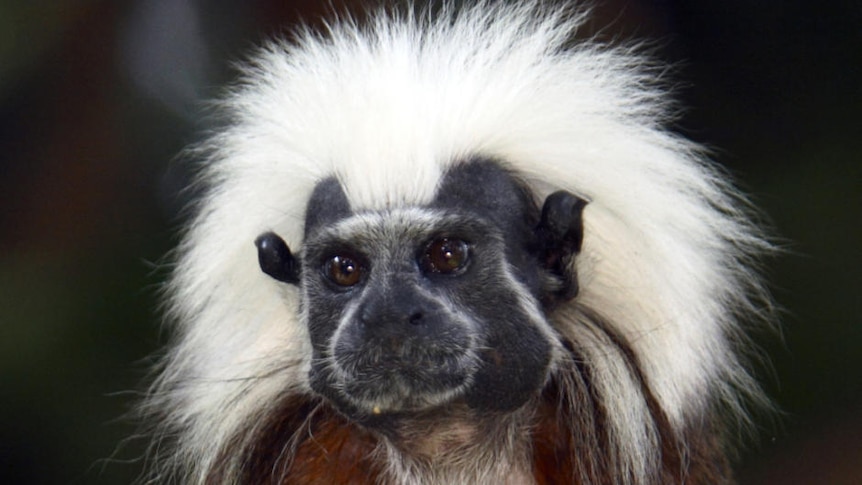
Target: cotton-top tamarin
(455,248)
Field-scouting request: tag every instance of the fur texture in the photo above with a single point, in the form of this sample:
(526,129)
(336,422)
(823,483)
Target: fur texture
(652,369)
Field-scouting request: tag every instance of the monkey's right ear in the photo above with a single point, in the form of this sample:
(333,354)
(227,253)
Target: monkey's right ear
(560,233)
(275,258)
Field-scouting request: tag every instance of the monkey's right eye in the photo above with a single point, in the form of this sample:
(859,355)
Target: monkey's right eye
(343,270)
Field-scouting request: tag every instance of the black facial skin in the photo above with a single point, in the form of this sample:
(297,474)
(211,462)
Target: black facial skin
(405,315)
(326,205)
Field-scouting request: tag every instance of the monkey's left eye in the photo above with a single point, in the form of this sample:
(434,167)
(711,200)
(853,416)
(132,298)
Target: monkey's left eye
(445,255)
(343,270)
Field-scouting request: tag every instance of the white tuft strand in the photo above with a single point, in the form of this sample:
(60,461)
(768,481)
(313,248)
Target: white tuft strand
(667,252)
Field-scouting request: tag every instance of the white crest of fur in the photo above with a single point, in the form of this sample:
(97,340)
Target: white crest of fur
(386,109)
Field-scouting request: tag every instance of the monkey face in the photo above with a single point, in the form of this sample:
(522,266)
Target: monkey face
(413,308)
(410,309)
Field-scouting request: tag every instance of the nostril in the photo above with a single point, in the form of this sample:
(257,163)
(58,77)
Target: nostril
(416,318)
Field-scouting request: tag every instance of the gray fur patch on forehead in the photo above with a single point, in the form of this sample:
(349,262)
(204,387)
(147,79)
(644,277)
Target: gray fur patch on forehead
(406,224)
(479,186)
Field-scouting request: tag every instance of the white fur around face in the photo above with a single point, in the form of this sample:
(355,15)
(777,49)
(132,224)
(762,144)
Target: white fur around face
(386,109)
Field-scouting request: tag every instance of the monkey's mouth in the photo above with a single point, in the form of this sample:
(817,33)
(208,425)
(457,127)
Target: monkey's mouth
(378,380)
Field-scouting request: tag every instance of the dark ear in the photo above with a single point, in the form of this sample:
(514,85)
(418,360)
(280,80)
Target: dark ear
(560,233)
(275,258)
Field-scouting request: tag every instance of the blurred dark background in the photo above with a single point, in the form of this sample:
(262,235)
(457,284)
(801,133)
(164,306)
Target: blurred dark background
(98,97)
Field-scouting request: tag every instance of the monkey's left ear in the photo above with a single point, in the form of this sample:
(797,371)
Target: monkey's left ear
(560,234)
(275,258)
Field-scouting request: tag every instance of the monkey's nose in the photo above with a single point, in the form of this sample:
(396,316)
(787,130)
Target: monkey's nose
(416,318)
(391,319)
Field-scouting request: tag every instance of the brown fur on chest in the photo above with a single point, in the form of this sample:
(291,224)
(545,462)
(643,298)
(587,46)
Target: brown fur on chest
(307,442)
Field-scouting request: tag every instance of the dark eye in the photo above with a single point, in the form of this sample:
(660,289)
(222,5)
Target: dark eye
(343,270)
(445,255)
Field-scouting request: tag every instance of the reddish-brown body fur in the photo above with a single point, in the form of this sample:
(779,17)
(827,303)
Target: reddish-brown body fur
(307,442)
